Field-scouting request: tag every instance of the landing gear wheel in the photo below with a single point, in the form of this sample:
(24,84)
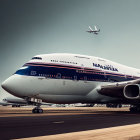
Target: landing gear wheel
(34,111)
(135,109)
(37,110)
(40,111)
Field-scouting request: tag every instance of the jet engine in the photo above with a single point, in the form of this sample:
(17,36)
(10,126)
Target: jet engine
(132,91)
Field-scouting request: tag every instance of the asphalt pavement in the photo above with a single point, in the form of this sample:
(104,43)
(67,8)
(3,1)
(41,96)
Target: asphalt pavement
(23,124)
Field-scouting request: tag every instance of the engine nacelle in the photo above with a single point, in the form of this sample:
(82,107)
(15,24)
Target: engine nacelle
(132,91)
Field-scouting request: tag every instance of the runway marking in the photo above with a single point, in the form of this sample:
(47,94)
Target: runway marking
(59,122)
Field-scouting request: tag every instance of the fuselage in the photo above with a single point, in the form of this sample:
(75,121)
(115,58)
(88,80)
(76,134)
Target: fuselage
(67,78)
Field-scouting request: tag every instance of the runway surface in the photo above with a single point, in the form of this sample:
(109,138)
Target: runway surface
(21,123)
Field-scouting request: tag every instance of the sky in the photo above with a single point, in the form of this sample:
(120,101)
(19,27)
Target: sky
(31,27)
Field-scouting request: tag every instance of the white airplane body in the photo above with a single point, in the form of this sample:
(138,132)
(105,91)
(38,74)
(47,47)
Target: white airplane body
(73,78)
(95,31)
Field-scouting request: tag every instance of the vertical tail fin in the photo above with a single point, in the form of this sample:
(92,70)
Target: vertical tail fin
(95,28)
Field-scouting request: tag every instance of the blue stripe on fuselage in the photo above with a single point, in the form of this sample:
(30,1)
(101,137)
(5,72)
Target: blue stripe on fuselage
(70,72)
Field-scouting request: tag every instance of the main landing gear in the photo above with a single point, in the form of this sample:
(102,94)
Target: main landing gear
(135,108)
(37,103)
(37,110)
(15,105)
(114,105)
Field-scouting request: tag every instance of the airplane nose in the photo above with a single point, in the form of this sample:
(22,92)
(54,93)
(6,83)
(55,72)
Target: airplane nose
(7,84)
(4,85)
(4,99)
(12,85)
(18,85)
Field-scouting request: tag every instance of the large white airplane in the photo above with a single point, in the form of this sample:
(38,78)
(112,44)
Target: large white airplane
(95,31)
(72,78)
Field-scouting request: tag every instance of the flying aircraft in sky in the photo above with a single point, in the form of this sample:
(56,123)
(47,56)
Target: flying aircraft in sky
(73,78)
(95,31)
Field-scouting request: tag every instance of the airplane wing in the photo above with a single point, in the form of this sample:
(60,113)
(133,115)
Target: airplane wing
(126,90)
(90,28)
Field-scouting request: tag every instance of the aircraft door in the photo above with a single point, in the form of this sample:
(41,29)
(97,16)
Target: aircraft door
(75,78)
(85,79)
(58,75)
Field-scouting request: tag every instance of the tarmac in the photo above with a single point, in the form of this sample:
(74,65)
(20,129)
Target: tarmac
(68,123)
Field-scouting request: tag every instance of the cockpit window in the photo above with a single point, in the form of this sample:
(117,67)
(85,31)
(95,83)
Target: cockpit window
(25,70)
(24,67)
(39,58)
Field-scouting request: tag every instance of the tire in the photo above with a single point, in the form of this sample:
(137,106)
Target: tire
(34,111)
(40,111)
(133,110)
